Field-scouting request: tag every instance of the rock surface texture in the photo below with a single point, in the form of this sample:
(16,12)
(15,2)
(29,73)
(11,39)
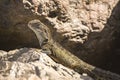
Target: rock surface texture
(32,64)
(77,25)
(83,27)
(88,28)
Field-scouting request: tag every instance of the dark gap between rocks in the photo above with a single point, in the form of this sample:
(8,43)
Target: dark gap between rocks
(112,62)
(17,40)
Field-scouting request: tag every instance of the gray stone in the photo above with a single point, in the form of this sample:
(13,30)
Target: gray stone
(31,64)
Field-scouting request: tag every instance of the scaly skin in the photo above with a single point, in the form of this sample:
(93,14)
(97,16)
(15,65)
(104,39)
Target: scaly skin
(68,59)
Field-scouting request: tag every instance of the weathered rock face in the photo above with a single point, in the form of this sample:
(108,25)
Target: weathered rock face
(86,28)
(32,64)
(79,26)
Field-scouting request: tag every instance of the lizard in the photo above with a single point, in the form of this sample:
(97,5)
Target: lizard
(67,58)
(42,37)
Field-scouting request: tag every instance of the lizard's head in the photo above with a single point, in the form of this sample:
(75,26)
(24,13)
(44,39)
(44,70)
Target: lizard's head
(40,31)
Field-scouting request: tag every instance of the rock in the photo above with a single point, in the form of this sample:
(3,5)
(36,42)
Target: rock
(87,28)
(81,27)
(32,64)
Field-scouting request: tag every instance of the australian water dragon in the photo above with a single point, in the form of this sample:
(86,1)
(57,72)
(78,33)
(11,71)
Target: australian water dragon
(66,58)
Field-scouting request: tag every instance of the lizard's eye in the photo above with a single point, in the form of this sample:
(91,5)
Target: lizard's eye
(45,42)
